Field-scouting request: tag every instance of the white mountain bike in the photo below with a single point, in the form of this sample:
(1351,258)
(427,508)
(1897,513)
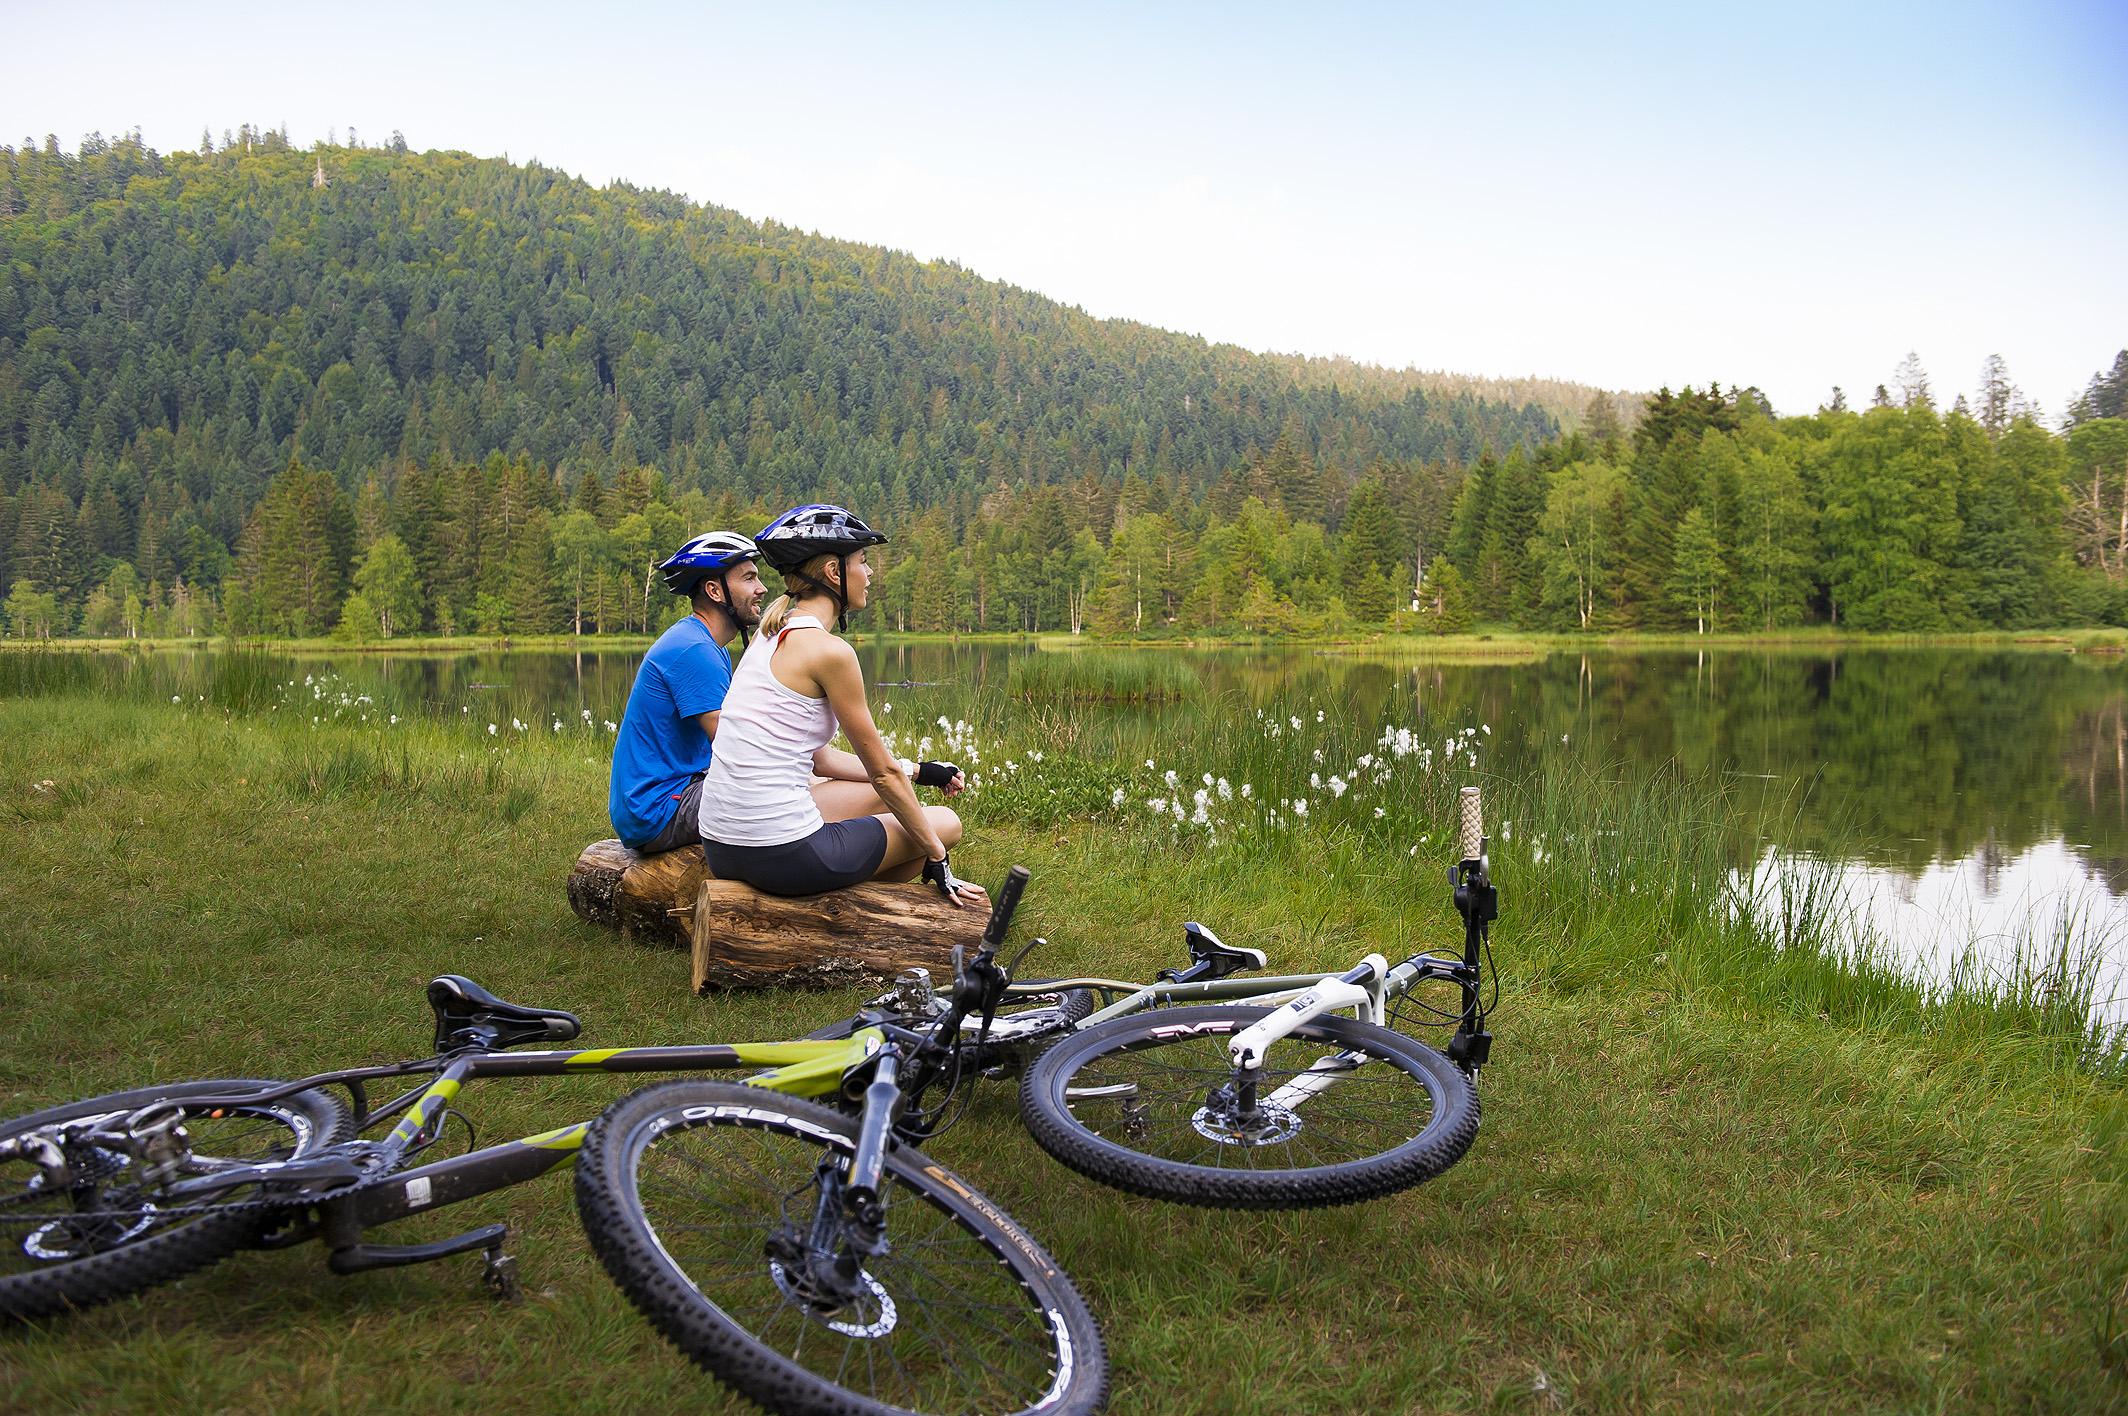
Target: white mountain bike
(1268,1097)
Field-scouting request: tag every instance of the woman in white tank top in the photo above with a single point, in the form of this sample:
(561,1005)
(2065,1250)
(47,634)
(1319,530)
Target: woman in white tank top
(765,819)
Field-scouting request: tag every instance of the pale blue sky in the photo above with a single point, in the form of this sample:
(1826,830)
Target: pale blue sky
(1633,195)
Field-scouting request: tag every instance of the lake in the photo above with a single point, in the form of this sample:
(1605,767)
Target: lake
(1963,807)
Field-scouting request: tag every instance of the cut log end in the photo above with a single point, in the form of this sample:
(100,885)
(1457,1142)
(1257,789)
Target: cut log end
(646,897)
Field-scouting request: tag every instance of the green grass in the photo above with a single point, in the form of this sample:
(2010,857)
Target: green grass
(1720,1170)
(1101,676)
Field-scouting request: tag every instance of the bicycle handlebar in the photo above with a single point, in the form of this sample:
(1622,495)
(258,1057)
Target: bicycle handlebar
(1008,900)
(1471,835)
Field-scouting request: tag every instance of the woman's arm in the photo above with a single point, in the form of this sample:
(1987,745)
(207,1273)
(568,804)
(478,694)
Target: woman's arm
(835,671)
(839,766)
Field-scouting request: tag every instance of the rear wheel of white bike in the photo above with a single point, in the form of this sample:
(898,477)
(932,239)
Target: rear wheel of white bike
(1340,1111)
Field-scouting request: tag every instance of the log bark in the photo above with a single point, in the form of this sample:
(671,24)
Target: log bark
(866,933)
(647,898)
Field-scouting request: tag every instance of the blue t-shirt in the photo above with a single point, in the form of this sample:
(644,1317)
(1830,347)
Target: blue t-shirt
(660,745)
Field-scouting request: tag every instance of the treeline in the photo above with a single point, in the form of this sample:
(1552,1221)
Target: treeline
(1712,514)
(178,330)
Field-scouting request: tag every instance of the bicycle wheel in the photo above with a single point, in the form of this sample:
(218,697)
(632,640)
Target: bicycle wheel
(1344,1110)
(106,1233)
(696,1196)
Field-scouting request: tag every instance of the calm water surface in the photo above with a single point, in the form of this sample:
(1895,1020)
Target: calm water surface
(1966,804)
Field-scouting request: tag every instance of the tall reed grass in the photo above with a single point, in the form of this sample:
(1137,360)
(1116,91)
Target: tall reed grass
(1093,675)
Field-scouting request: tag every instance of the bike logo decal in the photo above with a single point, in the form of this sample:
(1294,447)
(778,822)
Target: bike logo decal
(418,1192)
(993,1214)
(1216,1025)
(765,1116)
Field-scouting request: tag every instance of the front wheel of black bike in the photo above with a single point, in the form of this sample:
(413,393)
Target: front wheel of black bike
(100,1227)
(703,1200)
(1340,1111)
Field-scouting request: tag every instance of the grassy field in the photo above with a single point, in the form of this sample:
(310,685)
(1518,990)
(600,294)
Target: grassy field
(1716,1173)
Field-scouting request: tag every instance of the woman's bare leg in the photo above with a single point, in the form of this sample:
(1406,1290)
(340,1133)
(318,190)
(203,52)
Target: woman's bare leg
(846,801)
(904,859)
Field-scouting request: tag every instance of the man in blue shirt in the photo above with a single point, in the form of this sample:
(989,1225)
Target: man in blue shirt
(663,748)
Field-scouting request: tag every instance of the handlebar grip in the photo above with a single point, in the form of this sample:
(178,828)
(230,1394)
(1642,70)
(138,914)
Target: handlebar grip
(1008,900)
(1471,834)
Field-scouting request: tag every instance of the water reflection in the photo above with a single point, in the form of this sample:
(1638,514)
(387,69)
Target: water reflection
(2016,924)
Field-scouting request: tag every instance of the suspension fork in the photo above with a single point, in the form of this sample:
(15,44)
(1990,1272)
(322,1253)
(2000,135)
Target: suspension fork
(860,1190)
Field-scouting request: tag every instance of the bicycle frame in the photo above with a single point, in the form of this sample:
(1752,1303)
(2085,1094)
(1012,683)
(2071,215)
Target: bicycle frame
(800,1068)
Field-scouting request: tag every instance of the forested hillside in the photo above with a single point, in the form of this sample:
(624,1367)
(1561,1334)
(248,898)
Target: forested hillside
(176,330)
(271,391)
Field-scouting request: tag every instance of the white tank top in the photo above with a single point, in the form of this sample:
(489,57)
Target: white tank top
(759,791)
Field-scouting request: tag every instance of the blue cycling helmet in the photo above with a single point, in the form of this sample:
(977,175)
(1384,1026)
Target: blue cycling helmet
(710,554)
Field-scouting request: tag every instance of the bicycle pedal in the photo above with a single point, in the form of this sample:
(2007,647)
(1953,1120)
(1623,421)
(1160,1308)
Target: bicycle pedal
(500,1276)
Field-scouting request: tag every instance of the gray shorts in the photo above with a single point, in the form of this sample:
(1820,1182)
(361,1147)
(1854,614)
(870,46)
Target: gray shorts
(839,853)
(685,828)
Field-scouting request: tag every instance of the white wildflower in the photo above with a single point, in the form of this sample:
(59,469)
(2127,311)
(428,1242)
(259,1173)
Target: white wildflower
(1338,786)
(1168,777)
(516,726)
(1300,806)
(886,707)
(174,698)
(1158,805)
(1379,813)
(1315,780)
(1116,798)
(1318,715)
(1295,722)
(1226,790)
(1247,791)
(611,726)
(491,730)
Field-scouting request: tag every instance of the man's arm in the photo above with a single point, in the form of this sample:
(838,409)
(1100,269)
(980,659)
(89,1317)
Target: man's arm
(708,722)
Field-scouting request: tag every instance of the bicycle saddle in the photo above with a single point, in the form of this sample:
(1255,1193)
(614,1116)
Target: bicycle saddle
(467,1015)
(1213,957)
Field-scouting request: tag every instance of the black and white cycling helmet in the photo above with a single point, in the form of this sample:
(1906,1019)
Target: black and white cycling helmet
(709,554)
(818,529)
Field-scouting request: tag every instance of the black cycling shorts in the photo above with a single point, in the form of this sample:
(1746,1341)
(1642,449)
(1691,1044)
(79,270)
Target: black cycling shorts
(839,853)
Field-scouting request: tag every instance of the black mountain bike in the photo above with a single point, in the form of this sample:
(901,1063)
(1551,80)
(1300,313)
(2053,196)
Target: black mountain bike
(807,1254)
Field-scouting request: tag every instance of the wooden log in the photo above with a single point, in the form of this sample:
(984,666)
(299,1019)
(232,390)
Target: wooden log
(645,897)
(866,933)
